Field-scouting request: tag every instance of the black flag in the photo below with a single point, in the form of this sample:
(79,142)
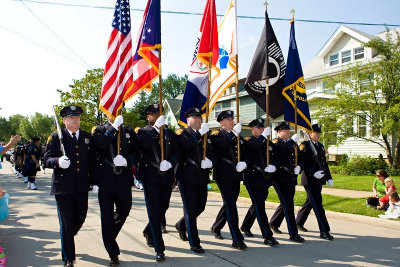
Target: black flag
(255,82)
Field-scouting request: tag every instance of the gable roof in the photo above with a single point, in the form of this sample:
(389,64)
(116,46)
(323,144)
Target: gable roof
(340,31)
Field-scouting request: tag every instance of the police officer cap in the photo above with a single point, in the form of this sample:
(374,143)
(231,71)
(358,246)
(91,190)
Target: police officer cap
(71,111)
(282,126)
(153,108)
(257,123)
(34,139)
(316,128)
(193,112)
(224,115)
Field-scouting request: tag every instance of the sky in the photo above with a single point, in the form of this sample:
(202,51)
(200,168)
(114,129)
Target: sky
(44,47)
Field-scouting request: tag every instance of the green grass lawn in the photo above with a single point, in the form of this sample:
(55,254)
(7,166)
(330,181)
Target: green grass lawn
(360,183)
(332,203)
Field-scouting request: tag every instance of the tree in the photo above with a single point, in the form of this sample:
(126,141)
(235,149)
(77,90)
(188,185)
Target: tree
(38,125)
(86,94)
(367,94)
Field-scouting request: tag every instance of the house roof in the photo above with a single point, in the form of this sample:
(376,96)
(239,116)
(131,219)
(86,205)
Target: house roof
(175,106)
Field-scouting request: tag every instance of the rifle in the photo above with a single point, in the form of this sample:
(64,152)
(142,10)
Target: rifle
(59,133)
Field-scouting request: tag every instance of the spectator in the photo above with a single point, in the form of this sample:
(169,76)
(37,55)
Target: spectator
(378,187)
(393,212)
(13,141)
(389,189)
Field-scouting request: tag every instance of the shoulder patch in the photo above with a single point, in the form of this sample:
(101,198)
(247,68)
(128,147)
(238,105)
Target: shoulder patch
(49,139)
(137,129)
(247,138)
(179,131)
(94,129)
(302,147)
(275,140)
(215,132)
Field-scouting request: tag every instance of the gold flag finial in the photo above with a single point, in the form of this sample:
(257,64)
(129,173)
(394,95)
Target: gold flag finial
(266,5)
(292,11)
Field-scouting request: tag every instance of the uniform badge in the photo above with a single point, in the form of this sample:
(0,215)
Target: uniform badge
(275,140)
(247,138)
(128,135)
(209,141)
(86,140)
(137,129)
(35,149)
(179,131)
(94,129)
(215,132)
(155,105)
(241,141)
(302,147)
(49,139)
(73,108)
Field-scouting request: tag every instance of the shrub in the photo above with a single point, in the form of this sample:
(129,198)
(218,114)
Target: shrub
(359,165)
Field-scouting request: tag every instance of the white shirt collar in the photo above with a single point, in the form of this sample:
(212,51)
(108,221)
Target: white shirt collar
(77,133)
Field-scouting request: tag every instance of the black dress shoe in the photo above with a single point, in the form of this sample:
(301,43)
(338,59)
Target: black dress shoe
(246,232)
(114,261)
(239,245)
(164,230)
(275,229)
(217,234)
(297,238)
(182,234)
(68,263)
(160,256)
(301,228)
(271,241)
(197,249)
(149,239)
(326,235)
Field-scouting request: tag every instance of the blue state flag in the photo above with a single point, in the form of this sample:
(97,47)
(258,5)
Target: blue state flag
(294,85)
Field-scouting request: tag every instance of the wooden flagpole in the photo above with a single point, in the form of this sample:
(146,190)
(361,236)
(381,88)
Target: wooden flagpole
(237,84)
(160,104)
(295,107)
(267,88)
(207,104)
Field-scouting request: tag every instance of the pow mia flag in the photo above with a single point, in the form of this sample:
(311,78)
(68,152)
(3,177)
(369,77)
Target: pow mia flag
(255,82)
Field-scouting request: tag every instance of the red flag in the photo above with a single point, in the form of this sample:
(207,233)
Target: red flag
(209,35)
(117,78)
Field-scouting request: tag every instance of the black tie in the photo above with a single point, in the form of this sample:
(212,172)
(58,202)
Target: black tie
(74,137)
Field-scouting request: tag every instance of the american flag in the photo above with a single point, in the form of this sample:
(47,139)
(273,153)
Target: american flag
(117,78)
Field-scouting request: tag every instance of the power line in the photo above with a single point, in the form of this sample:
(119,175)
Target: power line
(219,15)
(59,38)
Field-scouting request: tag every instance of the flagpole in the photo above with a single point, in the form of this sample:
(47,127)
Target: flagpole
(237,83)
(119,112)
(160,105)
(266,85)
(207,103)
(295,106)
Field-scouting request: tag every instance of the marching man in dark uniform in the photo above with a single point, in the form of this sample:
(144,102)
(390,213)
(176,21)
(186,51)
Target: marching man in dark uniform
(71,177)
(315,174)
(257,179)
(32,163)
(114,177)
(193,176)
(285,180)
(157,175)
(228,173)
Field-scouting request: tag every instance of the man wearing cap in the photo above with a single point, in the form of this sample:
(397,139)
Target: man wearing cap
(32,165)
(285,180)
(71,177)
(114,177)
(258,179)
(193,176)
(228,173)
(315,174)
(156,174)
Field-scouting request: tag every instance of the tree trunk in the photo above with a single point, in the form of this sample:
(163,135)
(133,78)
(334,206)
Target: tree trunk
(388,150)
(396,155)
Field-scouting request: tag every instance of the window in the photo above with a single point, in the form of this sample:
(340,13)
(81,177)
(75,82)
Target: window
(375,129)
(233,106)
(346,56)
(359,53)
(217,109)
(362,125)
(348,125)
(333,59)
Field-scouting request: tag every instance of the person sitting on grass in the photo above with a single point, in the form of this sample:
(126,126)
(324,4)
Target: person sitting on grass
(378,187)
(389,189)
(393,212)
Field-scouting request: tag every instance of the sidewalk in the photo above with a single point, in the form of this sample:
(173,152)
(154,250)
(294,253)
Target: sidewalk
(341,192)
(30,236)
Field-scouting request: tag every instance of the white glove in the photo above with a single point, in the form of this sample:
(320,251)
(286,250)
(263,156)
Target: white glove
(296,138)
(160,121)
(118,121)
(297,169)
(64,162)
(330,183)
(165,165)
(241,166)
(206,163)
(266,132)
(319,174)
(120,161)
(205,127)
(237,129)
(95,189)
(270,169)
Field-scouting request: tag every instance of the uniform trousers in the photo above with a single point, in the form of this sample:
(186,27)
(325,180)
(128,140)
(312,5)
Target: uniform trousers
(157,196)
(194,198)
(258,195)
(72,210)
(112,219)
(313,201)
(286,207)
(228,212)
